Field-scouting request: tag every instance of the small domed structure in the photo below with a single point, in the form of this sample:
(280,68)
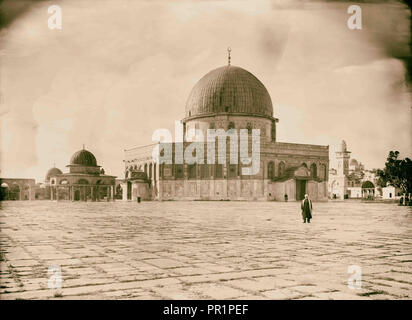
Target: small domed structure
(83,158)
(52,172)
(354,163)
(84,181)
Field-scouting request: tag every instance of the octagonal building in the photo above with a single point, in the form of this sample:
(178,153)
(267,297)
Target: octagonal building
(228,98)
(85,181)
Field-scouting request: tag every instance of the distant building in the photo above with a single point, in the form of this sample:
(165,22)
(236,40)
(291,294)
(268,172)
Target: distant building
(350,179)
(45,189)
(84,181)
(17,189)
(391,192)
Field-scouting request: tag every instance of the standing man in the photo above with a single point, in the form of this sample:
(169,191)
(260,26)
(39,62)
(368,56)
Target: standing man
(306,207)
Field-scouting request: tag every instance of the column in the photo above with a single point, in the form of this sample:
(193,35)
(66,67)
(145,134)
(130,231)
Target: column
(107,193)
(198,182)
(72,193)
(57,193)
(225,178)
(113,193)
(92,193)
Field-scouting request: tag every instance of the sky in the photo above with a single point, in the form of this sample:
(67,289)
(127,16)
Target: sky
(120,69)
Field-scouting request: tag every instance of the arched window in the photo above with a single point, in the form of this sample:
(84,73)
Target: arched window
(314,170)
(304,165)
(271,170)
(281,169)
(231,125)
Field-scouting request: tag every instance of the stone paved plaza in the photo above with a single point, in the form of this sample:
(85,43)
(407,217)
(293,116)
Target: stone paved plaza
(204,250)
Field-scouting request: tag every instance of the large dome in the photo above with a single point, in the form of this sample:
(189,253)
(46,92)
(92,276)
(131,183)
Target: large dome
(52,172)
(83,158)
(229,89)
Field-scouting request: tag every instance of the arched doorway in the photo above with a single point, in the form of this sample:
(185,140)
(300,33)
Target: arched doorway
(119,192)
(84,190)
(4,191)
(300,189)
(26,192)
(14,193)
(368,190)
(64,191)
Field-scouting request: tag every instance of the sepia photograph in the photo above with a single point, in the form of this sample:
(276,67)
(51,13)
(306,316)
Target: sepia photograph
(205,150)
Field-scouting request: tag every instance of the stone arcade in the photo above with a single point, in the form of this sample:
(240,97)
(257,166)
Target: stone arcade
(230,97)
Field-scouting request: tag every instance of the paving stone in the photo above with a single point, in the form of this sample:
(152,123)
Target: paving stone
(204,250)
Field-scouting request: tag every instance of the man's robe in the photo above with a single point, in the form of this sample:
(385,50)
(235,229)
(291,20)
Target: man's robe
(306,207)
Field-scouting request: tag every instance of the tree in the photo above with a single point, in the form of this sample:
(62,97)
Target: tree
(397,172)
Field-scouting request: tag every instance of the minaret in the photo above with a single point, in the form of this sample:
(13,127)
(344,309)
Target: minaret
(228,55)
(343,156)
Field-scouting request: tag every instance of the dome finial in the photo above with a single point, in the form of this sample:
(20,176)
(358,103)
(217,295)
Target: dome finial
(228,55)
